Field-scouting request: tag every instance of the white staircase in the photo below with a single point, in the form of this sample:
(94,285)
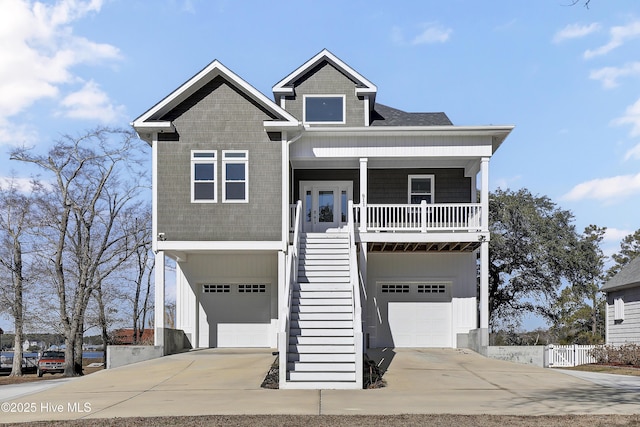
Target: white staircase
(322,347)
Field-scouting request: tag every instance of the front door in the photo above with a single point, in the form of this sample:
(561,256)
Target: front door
(324,204)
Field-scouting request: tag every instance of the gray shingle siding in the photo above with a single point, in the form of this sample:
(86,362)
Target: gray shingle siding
(326,79)
(391,185)
(218,117)
(628,330)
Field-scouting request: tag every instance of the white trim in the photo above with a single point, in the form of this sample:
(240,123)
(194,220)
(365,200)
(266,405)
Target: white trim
(431,237)
(432,193)
(327,95)
(235,160)
(283,87)
(194,246)
(149,121)
(204,160)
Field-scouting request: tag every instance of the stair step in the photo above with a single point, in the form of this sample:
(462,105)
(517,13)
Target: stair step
(322,367)
(321,316)
(326,262)
(320,332)
(321,294)
(321,340)
(321,357)
(320,257)
(324,376)
(319,286)
(322,279)
(339,250)
(321,309)
(322,324)
(321,349)
(322,301)
(324,268)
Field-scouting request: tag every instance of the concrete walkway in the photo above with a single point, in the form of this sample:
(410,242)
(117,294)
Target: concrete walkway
(218,381)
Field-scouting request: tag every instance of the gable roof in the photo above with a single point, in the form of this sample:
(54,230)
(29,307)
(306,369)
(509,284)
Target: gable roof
(363,86)
(152,120)
(383,115)
(627,277)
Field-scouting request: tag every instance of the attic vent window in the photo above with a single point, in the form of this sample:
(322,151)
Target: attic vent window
(324,109)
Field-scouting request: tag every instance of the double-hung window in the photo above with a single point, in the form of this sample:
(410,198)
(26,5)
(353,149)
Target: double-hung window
(203,176)
(421,187)
(235,170)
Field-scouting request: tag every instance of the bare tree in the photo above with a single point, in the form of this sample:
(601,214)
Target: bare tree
(93,184)
(16,218)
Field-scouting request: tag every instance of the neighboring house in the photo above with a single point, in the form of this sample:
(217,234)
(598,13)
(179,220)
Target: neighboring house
(321,223)
(623,305)
(124,336)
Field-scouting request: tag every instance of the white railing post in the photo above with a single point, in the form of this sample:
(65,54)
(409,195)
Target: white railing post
(423,216)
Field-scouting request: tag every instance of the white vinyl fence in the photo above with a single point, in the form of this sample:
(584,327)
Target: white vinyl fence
(563,356)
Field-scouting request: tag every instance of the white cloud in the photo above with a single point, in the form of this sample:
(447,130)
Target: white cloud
(574,31)
(91,103)
(606,189)
(23,185)
(17,134)
(619,35)
(39,50)
(633,153)
(615,235)
(632,117)
(610,75)
(430,33)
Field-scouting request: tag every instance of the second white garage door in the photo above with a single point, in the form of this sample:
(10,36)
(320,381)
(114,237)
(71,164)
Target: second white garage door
(414,314)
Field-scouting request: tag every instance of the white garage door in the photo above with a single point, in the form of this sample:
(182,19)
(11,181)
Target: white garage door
(235,315)
(414,314)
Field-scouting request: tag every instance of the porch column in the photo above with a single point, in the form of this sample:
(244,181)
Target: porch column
(484,193)
(158,311)
(484,285)
(363,193)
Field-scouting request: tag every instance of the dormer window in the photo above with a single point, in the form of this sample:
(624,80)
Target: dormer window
(324,109)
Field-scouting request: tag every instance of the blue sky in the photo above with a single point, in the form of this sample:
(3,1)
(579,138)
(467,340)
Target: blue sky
(568,77)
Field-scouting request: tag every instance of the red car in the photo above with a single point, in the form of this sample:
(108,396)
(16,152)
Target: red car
(51,362)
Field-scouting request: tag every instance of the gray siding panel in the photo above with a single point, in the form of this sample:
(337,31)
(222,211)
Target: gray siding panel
(391,185)
(326,79)
(218,117)
(627,331)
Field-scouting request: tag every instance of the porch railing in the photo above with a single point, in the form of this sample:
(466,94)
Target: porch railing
(421,218)
(355,289)
(291,278)
(413,218)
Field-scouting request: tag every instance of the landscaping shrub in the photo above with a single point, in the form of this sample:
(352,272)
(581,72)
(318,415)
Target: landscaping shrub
(626,354)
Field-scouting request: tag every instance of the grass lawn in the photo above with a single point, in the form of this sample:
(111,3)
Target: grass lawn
(607,369)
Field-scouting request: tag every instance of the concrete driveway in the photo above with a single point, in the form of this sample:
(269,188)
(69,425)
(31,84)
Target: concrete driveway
(219,381)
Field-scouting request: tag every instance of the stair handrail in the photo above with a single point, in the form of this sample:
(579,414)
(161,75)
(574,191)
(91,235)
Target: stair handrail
(291,277)
(355,289)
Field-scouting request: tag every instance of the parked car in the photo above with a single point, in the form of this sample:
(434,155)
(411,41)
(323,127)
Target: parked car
(51,362)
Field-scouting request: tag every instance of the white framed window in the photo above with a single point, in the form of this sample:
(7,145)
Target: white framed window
(203,176)
(618,309)
(323,109)
(235,176)
(421,187)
